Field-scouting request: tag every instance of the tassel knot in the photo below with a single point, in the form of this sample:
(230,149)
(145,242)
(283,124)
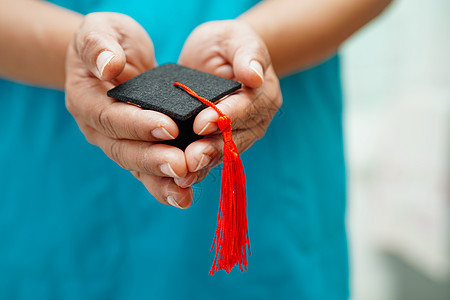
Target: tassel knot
(224,123)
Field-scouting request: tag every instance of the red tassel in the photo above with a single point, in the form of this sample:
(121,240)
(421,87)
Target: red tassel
(231,234)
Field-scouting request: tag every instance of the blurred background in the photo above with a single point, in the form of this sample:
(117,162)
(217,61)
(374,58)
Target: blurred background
(396,75)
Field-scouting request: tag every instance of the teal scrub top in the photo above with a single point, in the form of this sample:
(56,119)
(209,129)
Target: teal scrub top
(74,225)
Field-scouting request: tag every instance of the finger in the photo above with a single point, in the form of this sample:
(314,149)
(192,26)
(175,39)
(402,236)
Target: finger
(204,154)
(97,44)
(120,120)
(165,190)
(192,178)
(238,107)
(207,153)
(248,54)
(225,71)
(102,40)
(157,159)
(243,112)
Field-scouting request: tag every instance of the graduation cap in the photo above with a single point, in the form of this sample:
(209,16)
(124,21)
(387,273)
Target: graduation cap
(155,90)
(181,93)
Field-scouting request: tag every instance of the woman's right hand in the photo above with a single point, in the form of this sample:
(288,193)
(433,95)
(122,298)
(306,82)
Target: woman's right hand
(108,49)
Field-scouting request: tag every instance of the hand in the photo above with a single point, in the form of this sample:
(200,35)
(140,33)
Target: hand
(230,49)
(108,49)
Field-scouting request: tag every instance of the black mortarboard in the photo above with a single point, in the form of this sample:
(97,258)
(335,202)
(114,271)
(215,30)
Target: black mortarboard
(155,90)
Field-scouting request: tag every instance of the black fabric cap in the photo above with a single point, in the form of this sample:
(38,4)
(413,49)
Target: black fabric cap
(154,90)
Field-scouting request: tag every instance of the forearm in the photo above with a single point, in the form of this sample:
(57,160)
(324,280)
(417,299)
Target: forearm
(34,36)
(299,33)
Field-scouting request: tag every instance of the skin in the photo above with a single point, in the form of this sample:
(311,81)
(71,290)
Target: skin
(87,55)
(33,50)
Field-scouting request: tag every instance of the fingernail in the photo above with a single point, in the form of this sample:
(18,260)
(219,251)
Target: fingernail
(172,201)
(257,68)
(167,170)
(103,60)
(162,134)
(187,181)
(204,161)
(208,127)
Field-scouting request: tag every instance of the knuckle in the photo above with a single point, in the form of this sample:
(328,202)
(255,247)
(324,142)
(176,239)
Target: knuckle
(73,109)
(256,45)
(137,175)
(258,110)
(215,152)
(264,53)
(278,102)
(277,97)
(254,110)
(258,132)
(133,132)
(125,18)
(90,41)
(261,131)
(89,133)
(69,105)
(116,153)
(89,45)
(104,122)
(270,103)
(90,139)
(143,160)
(244,141)
(137,129)
(90,16)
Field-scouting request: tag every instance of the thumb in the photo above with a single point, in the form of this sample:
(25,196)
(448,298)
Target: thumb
(97,44)
(251,59)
